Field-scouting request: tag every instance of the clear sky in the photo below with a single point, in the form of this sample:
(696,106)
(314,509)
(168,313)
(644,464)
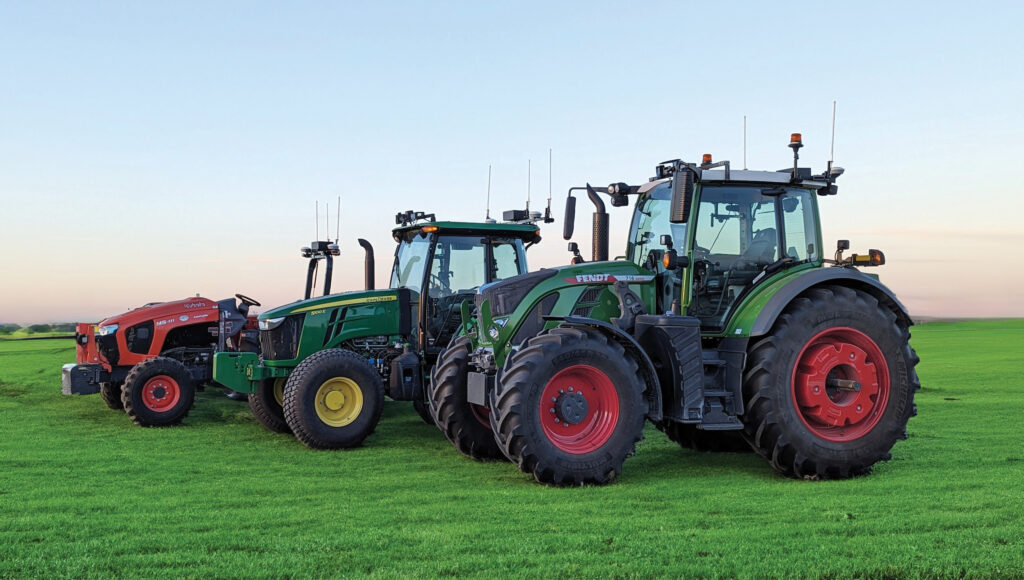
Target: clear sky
(153,150)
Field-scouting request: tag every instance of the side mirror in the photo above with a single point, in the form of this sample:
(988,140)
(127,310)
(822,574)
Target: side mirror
(842,245)
(666,240)
(570,217)
(575,249)
(682,195)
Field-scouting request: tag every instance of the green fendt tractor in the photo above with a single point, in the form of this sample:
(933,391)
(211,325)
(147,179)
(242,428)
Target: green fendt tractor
(725,322)
(326,363)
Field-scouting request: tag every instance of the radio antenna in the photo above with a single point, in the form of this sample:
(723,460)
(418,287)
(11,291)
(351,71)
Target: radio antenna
(317,219)
(744,142)
(487,216)
(337,226)
(528,186)
(832,146)
(547,211)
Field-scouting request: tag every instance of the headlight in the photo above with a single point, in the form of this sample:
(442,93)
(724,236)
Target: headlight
(495,328)
(271,323)
(105,330)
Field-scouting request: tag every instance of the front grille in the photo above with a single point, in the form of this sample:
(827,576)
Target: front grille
(587,301)
(282,343)
(107,347)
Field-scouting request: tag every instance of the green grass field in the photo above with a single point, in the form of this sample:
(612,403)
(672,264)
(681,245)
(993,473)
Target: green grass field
(83,493)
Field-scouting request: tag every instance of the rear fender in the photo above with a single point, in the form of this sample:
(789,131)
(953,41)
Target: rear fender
(826,276)
(652,389)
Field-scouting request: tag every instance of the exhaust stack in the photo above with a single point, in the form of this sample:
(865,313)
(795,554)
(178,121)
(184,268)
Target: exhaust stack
(368,265)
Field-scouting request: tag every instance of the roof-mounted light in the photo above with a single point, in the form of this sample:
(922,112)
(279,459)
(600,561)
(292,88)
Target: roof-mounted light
(796,140)
(429,229)
(706,158)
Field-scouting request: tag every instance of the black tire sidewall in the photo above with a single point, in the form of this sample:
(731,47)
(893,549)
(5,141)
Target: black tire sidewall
(306,380)
(873,324)
(141,374)
(266,409)
(631,409)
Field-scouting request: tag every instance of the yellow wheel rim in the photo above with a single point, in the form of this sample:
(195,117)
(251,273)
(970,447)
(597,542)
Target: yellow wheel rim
(339,401)
(279,389)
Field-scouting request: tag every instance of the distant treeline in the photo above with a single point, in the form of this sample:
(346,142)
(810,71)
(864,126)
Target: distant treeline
(10,328)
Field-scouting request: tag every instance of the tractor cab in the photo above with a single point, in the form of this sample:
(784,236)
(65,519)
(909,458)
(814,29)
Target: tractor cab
(443,264)
(745,228)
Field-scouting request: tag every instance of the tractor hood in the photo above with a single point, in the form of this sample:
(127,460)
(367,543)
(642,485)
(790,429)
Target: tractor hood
(359,298)
(197,308)
(505,296)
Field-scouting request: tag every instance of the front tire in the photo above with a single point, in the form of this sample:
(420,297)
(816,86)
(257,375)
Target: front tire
(569,407)
(830,391)
(333,400)
(465,425)
(266,405)
(111,395)
(158,392)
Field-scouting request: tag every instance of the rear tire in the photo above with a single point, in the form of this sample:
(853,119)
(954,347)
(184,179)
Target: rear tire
(569,407)
(465,425)
(423,410)
(333,400)
(111,395)
(265,405)
(798,418)
(158,392)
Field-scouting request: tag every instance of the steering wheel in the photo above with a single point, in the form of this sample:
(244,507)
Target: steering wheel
(246,300)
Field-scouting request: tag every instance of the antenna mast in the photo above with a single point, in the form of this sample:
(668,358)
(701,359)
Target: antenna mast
(337,225)
(832,146)
(528,186)
(487,216)
(744,142)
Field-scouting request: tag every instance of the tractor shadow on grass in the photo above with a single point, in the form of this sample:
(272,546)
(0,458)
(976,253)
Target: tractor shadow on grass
(658,459)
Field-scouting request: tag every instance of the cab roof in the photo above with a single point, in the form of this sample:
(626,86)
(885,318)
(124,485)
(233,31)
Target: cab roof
(525,231)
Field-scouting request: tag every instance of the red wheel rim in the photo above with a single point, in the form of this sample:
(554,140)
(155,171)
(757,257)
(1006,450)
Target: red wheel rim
(574,427)
(160,393)
(840,384)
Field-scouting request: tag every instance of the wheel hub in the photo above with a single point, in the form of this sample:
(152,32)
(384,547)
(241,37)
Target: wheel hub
(571,407)
(334,400)
(840,384)
(159,393)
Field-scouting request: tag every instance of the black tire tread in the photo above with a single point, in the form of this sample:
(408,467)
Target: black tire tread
(291,400)
(763,420)
(449,409)
(138,415)
(111,395)
(506,418)
(266,410)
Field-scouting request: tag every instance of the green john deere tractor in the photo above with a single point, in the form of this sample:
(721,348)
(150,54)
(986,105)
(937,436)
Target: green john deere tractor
(326,363)
(724,324)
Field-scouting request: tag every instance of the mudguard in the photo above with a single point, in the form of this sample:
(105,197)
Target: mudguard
(839,276)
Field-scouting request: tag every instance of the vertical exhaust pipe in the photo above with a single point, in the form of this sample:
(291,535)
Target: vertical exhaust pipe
(309,277)
(368,264)
(327,275)
(600,233)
